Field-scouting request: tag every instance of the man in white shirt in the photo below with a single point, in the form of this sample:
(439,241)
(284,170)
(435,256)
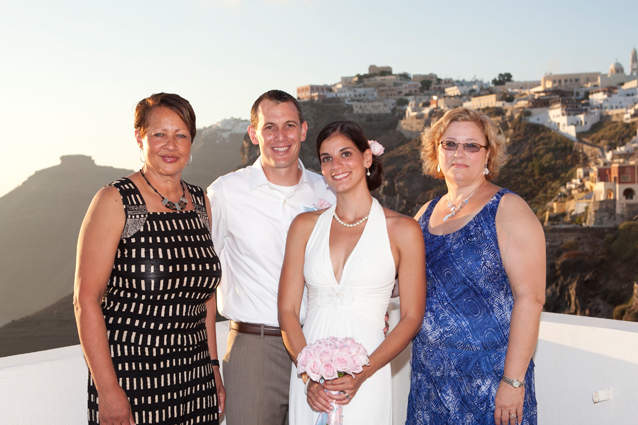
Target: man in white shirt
(252,209)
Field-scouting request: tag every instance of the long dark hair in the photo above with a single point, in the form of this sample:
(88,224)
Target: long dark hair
(353,132)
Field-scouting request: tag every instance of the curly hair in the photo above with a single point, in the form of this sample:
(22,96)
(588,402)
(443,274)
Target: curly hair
(430,138)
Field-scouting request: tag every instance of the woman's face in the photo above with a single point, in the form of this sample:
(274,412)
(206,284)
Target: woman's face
(460,165)
(342,164)
(167,142)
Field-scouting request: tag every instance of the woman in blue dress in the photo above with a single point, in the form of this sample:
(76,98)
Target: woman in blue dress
(485,249)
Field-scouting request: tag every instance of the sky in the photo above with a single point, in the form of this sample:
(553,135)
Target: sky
(72,71)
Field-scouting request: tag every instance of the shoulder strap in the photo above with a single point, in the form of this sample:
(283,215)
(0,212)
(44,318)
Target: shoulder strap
(199,203)
(134,206)
(425,217)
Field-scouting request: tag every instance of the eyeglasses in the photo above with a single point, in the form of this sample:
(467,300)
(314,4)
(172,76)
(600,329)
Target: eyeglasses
(450,145)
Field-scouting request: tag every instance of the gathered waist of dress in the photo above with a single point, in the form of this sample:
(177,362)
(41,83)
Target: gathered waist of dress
(366,302)
(343,296)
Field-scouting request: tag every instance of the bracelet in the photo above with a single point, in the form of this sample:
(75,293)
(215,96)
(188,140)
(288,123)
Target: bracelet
(215,362)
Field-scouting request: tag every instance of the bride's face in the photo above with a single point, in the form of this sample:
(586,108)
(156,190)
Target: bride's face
(342,164)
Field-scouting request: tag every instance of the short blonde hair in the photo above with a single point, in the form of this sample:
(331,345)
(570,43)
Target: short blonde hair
(430,138)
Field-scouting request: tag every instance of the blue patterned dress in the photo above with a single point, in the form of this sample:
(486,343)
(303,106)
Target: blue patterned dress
(458,356)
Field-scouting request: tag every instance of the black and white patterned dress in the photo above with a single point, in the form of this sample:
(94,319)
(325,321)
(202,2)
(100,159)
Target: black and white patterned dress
(164,271)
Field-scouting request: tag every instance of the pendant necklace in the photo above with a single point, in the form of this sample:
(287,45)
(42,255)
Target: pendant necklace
(454,209)
(169,204)
(349,225)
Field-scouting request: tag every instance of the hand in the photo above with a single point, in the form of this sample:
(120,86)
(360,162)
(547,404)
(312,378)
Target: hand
(317,398)
(508,402)
(221,391)
(346,385)
(115,408)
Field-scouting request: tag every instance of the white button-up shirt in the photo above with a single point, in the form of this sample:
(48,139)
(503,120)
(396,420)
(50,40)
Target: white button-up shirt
(251,217)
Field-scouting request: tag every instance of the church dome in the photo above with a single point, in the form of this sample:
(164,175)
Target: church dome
(616,68)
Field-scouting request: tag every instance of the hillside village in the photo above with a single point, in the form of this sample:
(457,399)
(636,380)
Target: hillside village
(604,190)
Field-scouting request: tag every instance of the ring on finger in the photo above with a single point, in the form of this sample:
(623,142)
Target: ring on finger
(513,416)
(347,395)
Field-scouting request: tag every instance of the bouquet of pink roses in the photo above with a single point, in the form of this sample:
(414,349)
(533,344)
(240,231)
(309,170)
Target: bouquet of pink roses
(328,359)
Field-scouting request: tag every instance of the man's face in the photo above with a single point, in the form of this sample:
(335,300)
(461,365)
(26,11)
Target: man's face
(279,135)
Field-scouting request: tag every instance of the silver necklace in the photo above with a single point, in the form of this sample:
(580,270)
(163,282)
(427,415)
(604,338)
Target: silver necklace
(454,209)
(349,225)
(181,205)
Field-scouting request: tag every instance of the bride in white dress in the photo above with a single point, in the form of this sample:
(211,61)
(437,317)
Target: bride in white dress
(348,257)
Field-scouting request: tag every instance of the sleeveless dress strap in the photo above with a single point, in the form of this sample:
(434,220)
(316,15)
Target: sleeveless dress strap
(134,206)
(489,210)
(199,203)
(425,217)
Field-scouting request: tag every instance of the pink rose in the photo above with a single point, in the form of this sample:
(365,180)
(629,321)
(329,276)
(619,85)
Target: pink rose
(355,365)
(322,203)
(325,355)
(329,371)
(363,358)
(303,359)
(341,361)
(314,370)
(376,148)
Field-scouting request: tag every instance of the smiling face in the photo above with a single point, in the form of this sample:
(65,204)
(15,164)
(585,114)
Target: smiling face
(459,165)
(342,164)
(279,135)
(166,142)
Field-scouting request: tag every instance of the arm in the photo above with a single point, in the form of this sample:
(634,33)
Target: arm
(409,252)
(289,296)
(97,245)
(211,331)
(291,284)
(522,244)
(212,348)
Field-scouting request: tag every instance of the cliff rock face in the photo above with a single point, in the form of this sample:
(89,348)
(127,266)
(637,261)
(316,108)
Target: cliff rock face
(216,151)
(583,276)
(39,227)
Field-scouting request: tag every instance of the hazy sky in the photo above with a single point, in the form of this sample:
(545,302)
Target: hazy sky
(71,71)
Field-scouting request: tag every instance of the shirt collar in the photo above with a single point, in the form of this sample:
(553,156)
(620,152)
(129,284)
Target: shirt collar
(258,177)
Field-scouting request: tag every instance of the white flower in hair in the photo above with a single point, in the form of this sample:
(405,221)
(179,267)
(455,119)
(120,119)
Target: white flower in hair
(376,148)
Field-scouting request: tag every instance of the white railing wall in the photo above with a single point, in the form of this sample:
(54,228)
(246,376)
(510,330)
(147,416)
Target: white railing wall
(575,358)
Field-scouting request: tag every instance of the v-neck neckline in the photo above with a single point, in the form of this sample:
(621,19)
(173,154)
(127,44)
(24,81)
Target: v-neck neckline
(347,262)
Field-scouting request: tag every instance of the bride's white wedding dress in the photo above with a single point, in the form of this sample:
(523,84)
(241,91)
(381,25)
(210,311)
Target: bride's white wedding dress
(353,307)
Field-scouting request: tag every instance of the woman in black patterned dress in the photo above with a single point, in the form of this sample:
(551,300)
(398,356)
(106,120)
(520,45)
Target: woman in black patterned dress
(144,284)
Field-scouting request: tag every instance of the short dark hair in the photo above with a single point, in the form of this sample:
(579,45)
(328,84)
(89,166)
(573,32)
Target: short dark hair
(353,132)
(276,96)
(174,102)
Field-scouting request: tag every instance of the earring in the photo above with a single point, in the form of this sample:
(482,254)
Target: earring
(190,160)
(142,157)
(367,172)
(486,170)
(438,168)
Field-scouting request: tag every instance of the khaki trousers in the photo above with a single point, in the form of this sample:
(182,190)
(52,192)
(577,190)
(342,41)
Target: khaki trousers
(257,379)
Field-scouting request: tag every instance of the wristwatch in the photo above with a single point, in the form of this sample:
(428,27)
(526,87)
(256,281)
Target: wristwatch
(513,382)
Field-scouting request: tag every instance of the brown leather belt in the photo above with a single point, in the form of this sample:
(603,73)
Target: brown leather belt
(254,329)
